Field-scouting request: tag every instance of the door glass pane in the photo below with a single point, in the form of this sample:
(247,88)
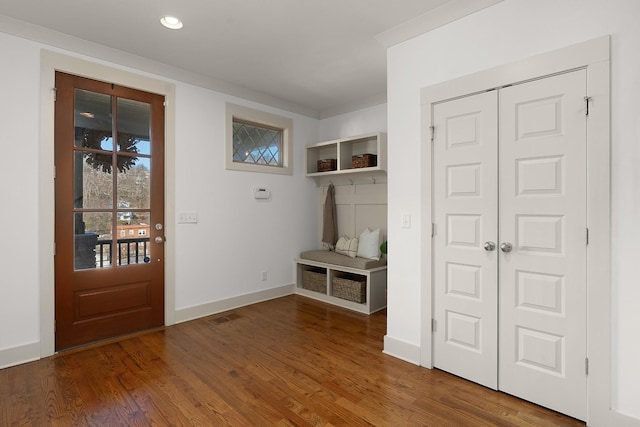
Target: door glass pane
(93,182)
(134,123)
(92,120)
(133,232)
(134,182)
(93,234)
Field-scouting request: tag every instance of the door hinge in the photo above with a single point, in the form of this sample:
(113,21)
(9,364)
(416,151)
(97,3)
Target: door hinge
(587,235)
(433,325)
(54,248)
(433,132)
(433,229)
(586,366)
(164,103)
(55,93)
(587,100)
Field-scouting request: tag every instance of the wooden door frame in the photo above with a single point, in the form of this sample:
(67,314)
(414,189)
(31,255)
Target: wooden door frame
(594,56)
(50,62)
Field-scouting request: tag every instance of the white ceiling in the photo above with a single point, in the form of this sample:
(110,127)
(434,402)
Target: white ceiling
(324,56)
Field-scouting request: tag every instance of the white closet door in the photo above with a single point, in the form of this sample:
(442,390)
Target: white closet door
(465,212)
(543,216)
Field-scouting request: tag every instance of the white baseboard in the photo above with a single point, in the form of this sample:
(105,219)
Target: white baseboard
(18,355)
(402,350)
(197,311)
(610,417)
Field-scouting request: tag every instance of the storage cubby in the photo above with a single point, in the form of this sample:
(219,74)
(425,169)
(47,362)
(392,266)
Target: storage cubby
(356,147)
(342,286)
(343,150)
(327,150)
(349,286)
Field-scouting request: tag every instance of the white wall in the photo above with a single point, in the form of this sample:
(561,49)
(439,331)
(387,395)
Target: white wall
(237,237)
(217,259)
(502,34)
(19,86)
(360,122)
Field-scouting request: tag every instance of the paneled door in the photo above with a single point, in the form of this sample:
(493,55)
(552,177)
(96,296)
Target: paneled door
(543,282)
(510,243)
(465,273)
(109,214)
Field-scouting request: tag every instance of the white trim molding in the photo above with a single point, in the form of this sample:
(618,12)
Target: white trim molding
(21,354)
(444,14)
(207,309)
(401,350)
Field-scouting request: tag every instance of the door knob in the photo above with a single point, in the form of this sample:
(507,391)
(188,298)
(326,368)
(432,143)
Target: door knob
(506,247)
(489,246)
(159,239)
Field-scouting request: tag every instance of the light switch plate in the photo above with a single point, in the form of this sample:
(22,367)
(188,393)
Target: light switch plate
(406,220)
(187,217)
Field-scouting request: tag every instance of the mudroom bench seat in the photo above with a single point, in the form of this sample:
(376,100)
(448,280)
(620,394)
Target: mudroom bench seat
(357,284)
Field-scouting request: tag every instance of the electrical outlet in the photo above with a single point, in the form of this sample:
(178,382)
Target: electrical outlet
(263,276)
(187,217)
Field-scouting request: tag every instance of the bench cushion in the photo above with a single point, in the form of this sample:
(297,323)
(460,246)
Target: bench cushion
(329,257)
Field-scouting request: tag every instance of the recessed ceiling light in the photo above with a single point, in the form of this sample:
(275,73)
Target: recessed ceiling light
(171,22)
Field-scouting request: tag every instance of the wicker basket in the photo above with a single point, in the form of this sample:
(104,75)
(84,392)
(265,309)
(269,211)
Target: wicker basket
(315,280)
(350,287)
(364,161)
(327,165)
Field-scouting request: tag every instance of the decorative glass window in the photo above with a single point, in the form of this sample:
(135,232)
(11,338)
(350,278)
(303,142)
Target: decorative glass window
(258,141)
(257,144)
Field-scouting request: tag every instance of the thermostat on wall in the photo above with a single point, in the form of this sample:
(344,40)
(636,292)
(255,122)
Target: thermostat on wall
(261,193)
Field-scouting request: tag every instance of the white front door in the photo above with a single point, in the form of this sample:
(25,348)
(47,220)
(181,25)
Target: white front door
(543,321)
(466,201)
(517,178)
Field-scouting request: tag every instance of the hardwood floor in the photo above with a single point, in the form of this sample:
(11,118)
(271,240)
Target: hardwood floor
(286,362)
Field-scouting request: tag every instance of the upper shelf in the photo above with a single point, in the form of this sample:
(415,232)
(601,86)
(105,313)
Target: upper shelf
(343,152)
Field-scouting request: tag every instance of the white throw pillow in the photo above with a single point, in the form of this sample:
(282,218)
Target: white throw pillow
(369,245)
(347,246)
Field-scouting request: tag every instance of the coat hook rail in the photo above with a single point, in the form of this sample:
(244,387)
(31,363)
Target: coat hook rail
(352,182)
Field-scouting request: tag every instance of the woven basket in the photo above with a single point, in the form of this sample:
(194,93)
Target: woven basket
(350,287)
(327,165)
(364,161)
(315,280)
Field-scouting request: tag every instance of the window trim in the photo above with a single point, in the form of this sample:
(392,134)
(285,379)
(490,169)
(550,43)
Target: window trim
(259,118)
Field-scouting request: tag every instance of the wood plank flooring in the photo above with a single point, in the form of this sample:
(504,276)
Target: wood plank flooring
(286,362)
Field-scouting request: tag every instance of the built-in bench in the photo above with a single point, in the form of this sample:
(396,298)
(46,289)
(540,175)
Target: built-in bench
(358,284)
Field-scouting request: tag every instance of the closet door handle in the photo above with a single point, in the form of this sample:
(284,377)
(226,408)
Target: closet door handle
(489,246)
(506,247)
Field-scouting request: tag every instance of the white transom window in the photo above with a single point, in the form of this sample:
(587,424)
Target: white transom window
(258,141)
